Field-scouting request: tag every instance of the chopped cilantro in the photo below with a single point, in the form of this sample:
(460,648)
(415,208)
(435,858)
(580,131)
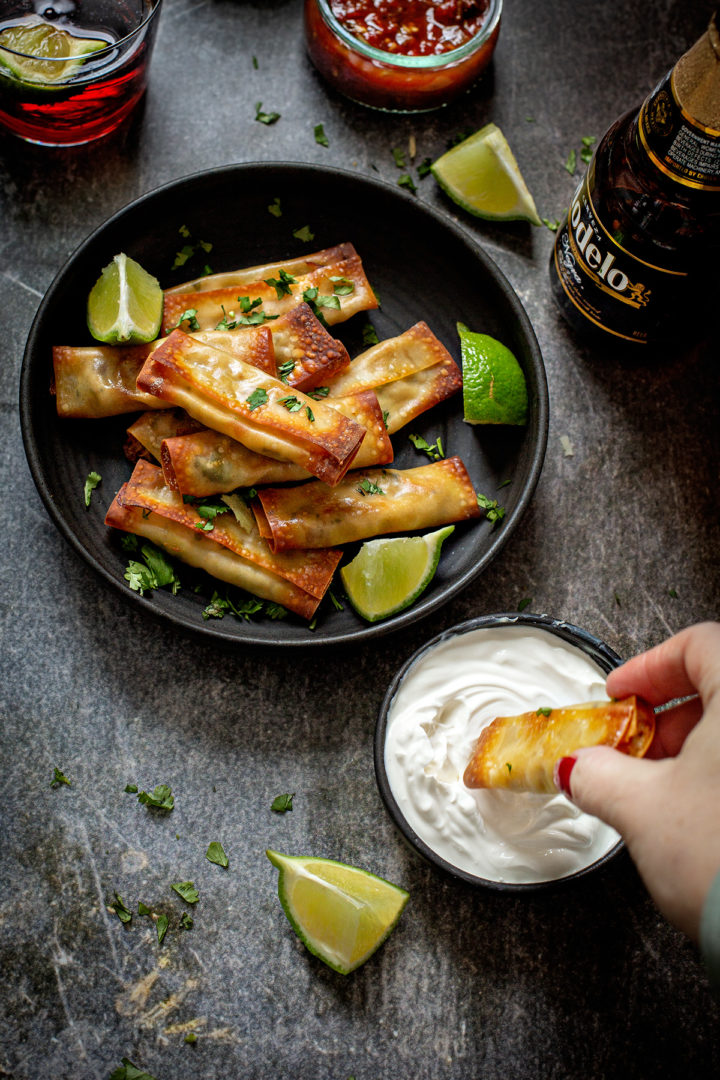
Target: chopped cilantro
(257,398)
(399,157)
(508,766)
(255,62)
(265,117)
(291,403)
(367,487)
(190,317)
(161,927)
(285,370)
(342,286)
(673,593)
(571,162)
(275,611)
(93,479)
(369,335)
(187,890)
(143,909)
(59,778)
(524,603)
(274,207)
(310,414)
(161,798)
(131,789)
(207,510)
(587,152)
(320,137)
(190,1037)
(281,284)
(128,1071)
(153,573)
(318,392)
(215,854)
(434,451)
(188,250)
(282,803)
(494,512)
(461,136)
(334,601)
(544,710)
(186,921)
(118,906)
(424,168)
(304,233)
(406,181)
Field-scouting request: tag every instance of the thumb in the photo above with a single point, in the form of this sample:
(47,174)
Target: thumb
(608,784)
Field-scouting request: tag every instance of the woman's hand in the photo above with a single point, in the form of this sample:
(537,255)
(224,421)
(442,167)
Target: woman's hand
(666,806)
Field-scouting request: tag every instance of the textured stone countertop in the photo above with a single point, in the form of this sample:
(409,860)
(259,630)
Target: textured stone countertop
(621,538)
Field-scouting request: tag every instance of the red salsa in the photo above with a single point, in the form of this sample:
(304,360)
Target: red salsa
(412,27)
(401,55)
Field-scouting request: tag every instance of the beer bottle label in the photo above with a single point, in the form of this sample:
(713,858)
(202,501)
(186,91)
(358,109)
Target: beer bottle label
(682,148)
(616,291)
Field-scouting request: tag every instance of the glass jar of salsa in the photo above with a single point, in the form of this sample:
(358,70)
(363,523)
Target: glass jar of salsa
(401,55)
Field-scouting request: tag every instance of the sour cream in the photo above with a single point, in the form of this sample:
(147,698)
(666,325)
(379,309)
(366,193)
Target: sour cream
(446,698)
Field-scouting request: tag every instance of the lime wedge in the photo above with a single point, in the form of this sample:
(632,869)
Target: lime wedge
(481,175)
(125,304)
(388,575)
(494,387)
(43,46)
(340,913)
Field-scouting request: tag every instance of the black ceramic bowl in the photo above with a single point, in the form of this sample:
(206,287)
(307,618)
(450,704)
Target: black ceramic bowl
(592,647)
(422,265)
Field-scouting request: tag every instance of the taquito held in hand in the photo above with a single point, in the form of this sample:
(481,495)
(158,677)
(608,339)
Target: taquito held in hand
(519,753)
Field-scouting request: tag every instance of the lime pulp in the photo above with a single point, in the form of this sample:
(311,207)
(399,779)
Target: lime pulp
(125,304)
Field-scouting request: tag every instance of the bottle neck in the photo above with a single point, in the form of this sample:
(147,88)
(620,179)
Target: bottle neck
(679,123)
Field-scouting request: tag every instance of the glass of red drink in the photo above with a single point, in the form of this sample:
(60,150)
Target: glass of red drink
(72,70)
(401,55)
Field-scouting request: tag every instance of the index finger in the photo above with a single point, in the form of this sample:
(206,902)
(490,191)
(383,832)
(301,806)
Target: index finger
(685,664)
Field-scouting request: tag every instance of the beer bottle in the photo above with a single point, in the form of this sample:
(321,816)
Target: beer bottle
(634,259)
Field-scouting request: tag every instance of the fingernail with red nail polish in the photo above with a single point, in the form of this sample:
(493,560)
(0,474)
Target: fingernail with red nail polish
(563,769)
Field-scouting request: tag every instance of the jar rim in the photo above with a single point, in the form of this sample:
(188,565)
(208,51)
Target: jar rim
(418,62)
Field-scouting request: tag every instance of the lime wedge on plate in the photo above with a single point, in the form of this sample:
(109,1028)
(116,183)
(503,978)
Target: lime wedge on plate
(340,913)
(481,175)
(125,304)
(494,387)
(389,574)
(43,46)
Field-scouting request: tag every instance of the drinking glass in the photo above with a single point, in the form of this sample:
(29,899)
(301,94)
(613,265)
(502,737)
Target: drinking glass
(72,70)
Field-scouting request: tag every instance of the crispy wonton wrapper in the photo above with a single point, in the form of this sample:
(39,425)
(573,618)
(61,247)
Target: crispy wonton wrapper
(519,753)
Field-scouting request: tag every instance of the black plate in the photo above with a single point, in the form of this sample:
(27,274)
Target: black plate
(422,267)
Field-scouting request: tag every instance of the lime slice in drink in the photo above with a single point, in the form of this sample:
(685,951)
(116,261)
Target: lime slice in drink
(340,913)
(125,304)
(43,48)
(388,575)
(481,175)
(494,387)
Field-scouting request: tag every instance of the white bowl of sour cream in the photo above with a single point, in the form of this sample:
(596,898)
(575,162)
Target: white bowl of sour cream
(433,712)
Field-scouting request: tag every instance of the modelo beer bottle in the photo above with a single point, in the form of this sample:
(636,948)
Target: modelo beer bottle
(639,250)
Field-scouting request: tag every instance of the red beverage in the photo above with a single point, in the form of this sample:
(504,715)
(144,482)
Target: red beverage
(72,70)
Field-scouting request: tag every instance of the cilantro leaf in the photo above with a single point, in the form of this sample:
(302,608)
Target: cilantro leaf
(265,117)
(143,909)
(131,789)
(275,611)
(342,286)
(304,233)
(525,602)
(369,335)
(274,208)
(433,450)
(120,910)
(281,284)
(587,151)
(494,512)
(291,403)
(215,854)
(161,927)
(320,137)
(187,890)
(190,317)
(310,414)
(399,157)
(367,487)
(186,921)
(155,572)
(128,1071)
(424,168)
(318,392)
(571,162)
(92,481)
(161,798)
(285,370)
(282,803)
(257,398)
(544,710)
(407,181)
(59,778)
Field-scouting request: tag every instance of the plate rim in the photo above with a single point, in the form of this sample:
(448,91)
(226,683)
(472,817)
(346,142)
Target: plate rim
(360,634)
